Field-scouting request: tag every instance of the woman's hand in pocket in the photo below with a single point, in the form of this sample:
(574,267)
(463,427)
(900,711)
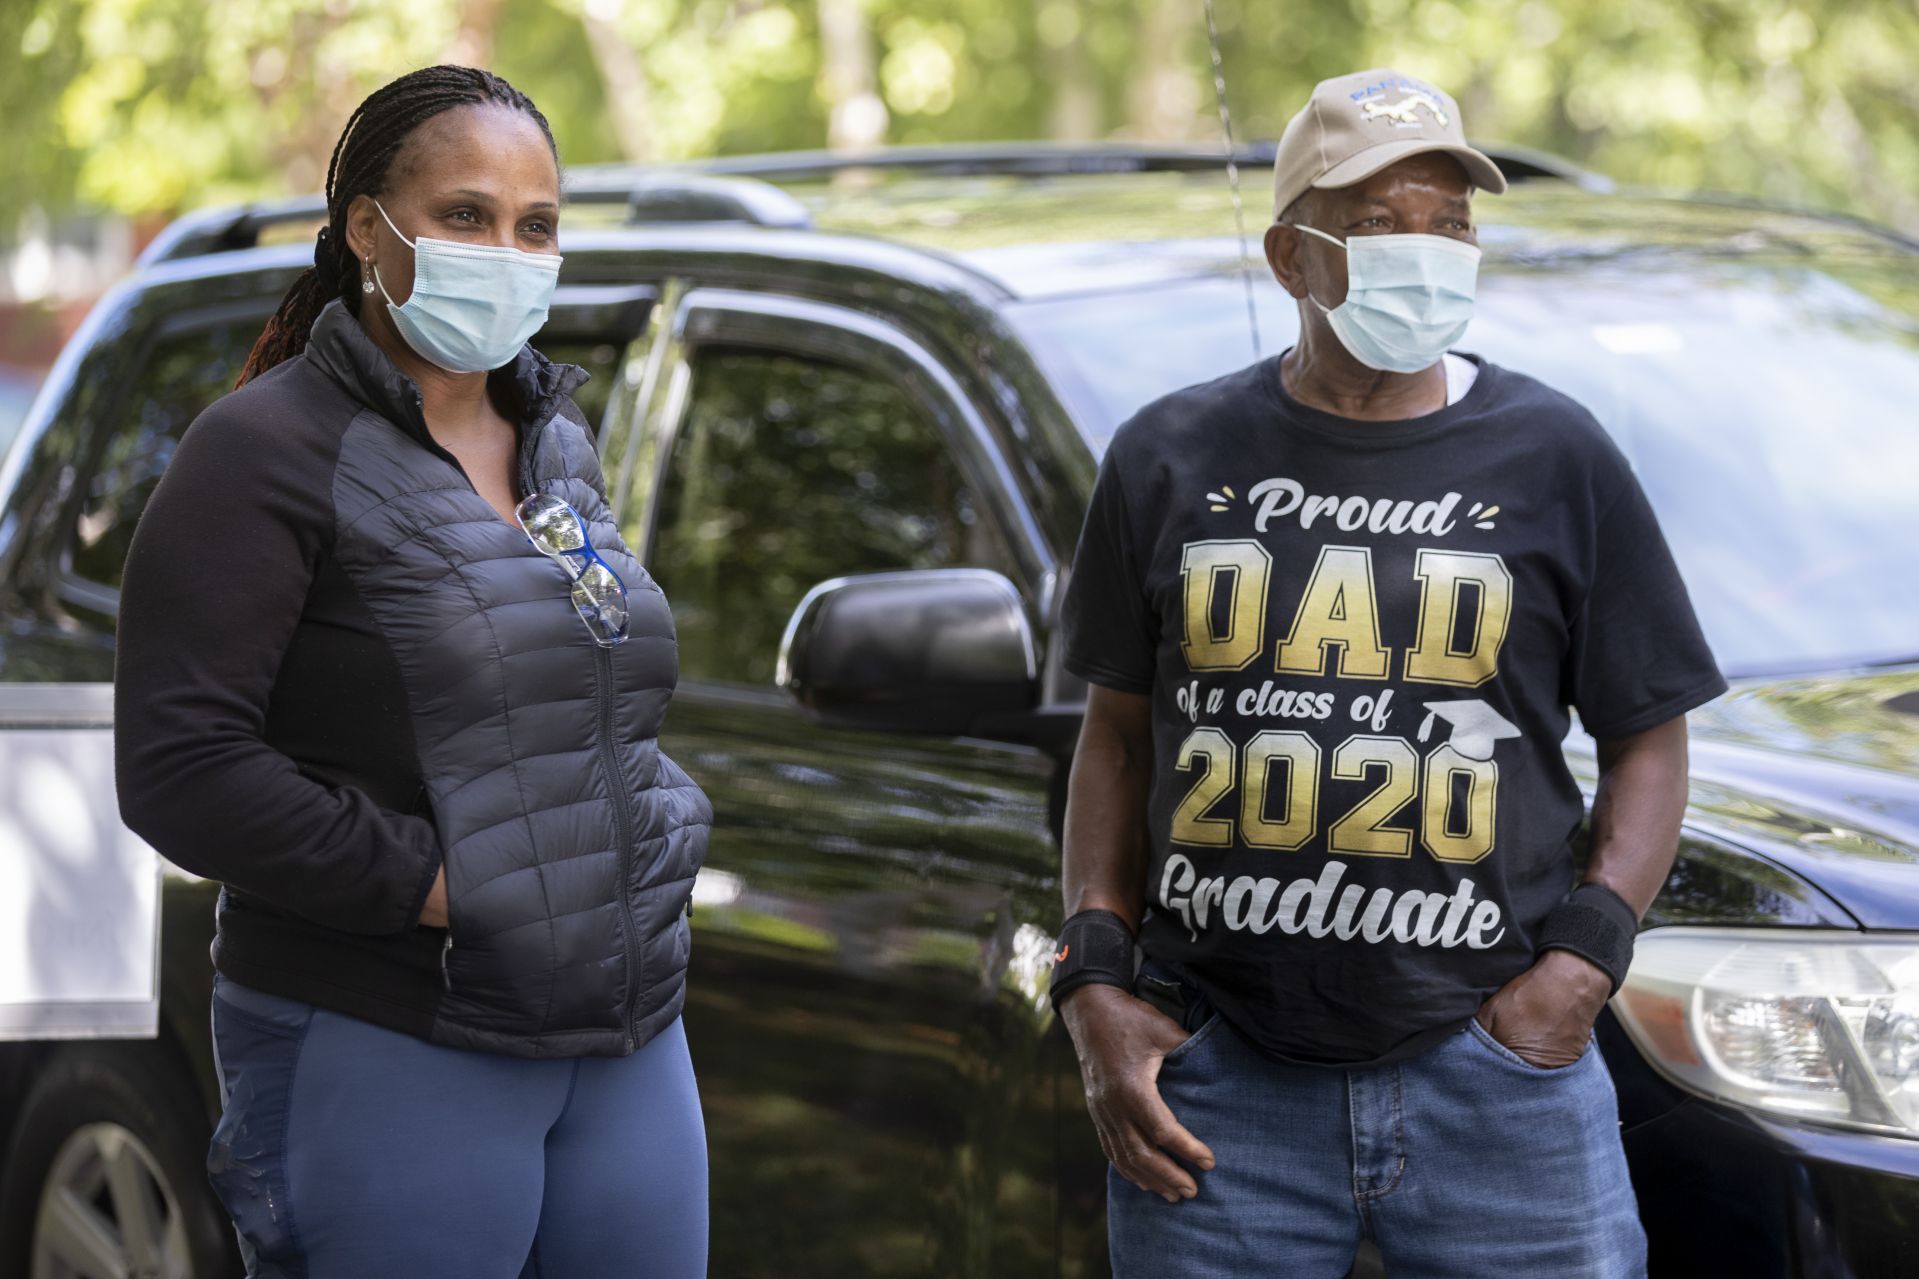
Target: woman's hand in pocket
(433,914)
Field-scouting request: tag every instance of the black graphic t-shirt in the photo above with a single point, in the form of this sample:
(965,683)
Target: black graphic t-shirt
(1361,640)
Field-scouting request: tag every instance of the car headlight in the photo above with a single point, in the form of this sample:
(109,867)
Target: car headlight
(1802,1023)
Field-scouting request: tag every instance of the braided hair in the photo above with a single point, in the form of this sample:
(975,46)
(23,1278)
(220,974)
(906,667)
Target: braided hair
(362,157)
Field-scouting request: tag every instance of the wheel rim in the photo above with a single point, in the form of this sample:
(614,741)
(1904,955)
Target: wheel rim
(107,1212)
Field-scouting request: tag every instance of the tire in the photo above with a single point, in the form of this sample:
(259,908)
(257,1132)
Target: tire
(108,1160)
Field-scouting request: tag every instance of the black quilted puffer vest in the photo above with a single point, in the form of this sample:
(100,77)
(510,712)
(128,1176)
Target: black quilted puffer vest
(570,839)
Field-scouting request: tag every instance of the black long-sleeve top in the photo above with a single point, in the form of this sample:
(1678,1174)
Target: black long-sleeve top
(262,736)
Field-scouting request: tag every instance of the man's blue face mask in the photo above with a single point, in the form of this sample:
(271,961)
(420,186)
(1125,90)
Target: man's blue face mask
(473,306)
(1408,298)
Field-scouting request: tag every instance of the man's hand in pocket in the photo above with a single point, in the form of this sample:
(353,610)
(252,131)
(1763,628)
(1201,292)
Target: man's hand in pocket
(1546,1013)
(1121,1041)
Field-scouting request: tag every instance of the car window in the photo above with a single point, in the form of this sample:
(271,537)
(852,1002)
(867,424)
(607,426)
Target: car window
(786,472)
(185,371)
(16,395)
(1109,354)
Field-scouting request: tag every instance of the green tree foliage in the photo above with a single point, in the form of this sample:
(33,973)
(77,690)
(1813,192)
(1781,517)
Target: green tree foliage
(157,105)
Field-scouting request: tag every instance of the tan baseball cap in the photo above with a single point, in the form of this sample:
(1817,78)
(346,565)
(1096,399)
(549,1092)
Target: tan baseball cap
(1355,125)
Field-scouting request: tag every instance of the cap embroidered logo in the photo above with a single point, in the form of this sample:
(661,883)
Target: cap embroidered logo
(1406,110)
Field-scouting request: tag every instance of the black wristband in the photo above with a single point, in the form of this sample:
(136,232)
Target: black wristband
(1095,947)
(1597,923)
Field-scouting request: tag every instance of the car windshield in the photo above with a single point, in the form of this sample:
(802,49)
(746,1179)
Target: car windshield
(1768,412)
(15,395)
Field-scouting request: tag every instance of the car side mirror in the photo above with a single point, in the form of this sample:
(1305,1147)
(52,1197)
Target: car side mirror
(926,651)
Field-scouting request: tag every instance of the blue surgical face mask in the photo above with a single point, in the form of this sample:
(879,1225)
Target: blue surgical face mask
(1408,298)
(473,306)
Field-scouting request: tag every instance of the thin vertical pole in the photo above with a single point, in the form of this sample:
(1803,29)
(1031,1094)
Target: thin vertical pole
(1232,176)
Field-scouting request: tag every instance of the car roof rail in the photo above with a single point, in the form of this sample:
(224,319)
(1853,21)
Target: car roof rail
(651,195)
(1520,163)
(740,189)
(1045,159)
(670,194)
(959,159)
(225,228)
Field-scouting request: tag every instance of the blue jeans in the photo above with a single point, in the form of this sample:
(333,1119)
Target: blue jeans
(1464,1162)
(345,1150)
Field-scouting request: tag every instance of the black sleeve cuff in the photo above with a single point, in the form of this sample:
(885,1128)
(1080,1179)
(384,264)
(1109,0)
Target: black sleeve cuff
(1094,673)
(1646,717)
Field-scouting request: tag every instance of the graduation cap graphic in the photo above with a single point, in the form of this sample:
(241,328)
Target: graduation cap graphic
(1475,726)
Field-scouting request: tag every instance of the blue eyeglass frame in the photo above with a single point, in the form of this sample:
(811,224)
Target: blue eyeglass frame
(589,557)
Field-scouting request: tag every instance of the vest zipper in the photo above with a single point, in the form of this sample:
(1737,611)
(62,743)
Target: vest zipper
(602,673)
(609,760)
(623,825)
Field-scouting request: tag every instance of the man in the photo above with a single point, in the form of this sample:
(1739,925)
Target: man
(1333,609)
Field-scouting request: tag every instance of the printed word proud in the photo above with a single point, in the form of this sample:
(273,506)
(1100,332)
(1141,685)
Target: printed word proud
(1280,497)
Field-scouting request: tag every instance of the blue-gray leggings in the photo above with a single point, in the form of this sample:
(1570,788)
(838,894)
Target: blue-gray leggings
(345,1149)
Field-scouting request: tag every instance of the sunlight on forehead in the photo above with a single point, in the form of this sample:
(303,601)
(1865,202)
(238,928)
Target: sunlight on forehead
(485,151)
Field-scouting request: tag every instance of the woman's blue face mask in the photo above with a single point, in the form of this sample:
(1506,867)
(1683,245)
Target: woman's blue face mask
(1408,298)
(473,306)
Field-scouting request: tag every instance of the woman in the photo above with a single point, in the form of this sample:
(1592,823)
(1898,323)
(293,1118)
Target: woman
(376,676)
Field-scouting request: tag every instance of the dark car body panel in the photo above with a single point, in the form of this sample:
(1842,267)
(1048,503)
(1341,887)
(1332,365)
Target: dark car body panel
(1822,777)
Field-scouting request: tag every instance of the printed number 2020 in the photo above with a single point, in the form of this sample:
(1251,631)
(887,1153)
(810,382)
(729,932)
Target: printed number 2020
(1456,821)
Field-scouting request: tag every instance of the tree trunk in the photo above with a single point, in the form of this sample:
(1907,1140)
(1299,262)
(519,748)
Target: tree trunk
(856,116)
(1076,113)
(629,98)
(473,44)
(1163,95)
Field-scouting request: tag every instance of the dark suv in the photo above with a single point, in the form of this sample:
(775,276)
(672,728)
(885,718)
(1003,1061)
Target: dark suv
(850,413)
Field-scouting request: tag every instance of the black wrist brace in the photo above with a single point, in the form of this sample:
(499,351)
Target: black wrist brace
(1095,946)
(1595,922)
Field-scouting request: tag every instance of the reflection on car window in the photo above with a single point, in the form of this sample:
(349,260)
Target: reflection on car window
(1767,411)
(1110,354)
(185,372)
(787,472)
(597,358)
(16,395)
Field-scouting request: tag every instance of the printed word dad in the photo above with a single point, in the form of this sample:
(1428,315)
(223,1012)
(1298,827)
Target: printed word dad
(1337,622)
(1246,904)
